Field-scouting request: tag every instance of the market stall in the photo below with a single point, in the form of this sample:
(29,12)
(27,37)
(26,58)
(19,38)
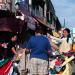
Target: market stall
(9,26)
(61,64)
(62,56)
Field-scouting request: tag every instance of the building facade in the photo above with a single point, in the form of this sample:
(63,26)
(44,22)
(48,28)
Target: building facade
(44,10)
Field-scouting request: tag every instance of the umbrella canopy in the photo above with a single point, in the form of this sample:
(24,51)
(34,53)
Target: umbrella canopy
(8,25)
(8,22)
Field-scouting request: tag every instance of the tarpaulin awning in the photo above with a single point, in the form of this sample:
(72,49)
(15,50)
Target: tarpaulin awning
(31,23)
(42,22)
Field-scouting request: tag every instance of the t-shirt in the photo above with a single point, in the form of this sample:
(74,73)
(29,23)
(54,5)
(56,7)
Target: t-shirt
(69,41)
(56,40)
(39,47)
(9,49)
(1,52)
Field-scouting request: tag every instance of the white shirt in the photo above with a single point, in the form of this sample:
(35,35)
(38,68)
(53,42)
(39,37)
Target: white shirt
(60,40)
(69,41)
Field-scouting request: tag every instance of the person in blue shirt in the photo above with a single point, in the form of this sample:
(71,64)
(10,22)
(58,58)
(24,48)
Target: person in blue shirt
(38,46)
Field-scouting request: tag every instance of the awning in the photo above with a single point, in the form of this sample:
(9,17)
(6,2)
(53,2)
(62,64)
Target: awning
(31,23)
(42,22)
(10,24)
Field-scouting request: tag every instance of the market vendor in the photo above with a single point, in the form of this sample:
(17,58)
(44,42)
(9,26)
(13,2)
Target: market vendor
(11,49)
(66,41)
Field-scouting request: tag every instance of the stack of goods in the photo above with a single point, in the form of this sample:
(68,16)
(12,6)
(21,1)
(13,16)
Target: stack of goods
(60,64)
(55,65)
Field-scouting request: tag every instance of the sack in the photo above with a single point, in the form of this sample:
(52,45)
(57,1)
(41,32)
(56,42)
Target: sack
(64,47)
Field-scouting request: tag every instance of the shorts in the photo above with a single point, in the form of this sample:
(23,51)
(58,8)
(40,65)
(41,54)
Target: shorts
(38,66)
